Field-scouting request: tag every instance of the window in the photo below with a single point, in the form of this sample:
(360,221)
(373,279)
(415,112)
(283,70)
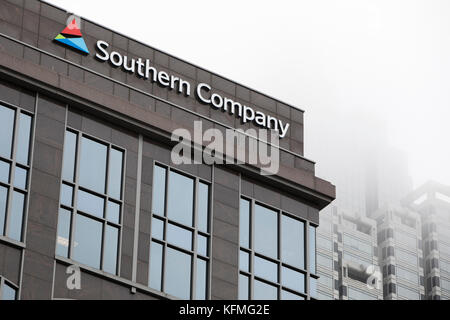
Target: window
(90,214)
(179,250)
(326,281)
(15,141)
(357,244)
(407,275)
(407,257)
(445,285)
(406,238)
(324,261)
(8,290)
(349,257)
(273,254)
(356,294)
(324,243)
(407,293)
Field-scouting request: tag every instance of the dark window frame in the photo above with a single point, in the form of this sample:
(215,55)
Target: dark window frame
(4,281)
(308,275)
(13,164)
(76,187)
(194,229)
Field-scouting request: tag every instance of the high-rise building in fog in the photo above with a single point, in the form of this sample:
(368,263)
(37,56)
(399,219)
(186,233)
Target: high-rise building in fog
(432,202)
(400,253)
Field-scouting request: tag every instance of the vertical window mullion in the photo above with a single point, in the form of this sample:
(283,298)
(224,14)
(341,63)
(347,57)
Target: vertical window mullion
(280,280)
(75,196)
(1,287)
(307,266)
(12,173)
(105,209)
(194,244)
(166,201)
(252,249)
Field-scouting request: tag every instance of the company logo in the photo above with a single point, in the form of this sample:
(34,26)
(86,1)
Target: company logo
(71,36)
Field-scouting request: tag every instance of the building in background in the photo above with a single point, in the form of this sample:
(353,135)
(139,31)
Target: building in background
(411,247)
(358,258)
(327,257)
(432,202)
(400,252)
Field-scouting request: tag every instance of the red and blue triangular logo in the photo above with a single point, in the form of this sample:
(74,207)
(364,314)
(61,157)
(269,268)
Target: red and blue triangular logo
(71,36)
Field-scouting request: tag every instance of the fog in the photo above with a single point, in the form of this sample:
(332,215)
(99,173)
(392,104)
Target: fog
(372,76)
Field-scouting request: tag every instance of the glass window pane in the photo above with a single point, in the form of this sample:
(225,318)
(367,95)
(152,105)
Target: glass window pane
(266,269)
(87,241)
(91,204)
(67,195)
(181,198)
(244,223)
(70,146)
(23,139)
(16,216)
(177,275)
(157,229)
(179,237)
(203,206)
(312,249)
(3,203)
(286,295)
(62,243)
(293,242)
(202,245)
(293,280)
(266,231)
(244,258)
(243,287)
(7,116)
(113,212)
(115,174)
(156,253)
(159,190)
(263,291)
(93,165)
(313,287)
(8,292)
(110,251)
(20,178)
(200,289)
(4,171)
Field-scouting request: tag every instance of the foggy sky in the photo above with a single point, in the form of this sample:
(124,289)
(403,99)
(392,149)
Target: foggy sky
(367,73)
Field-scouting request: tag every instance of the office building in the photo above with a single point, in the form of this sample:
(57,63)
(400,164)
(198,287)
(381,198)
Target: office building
(87,181)
(400,253)
(432,202)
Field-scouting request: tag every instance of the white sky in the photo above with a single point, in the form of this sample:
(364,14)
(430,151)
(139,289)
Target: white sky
(351,64)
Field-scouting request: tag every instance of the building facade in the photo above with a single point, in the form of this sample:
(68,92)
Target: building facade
(88,186)
(400,253)
(432,202)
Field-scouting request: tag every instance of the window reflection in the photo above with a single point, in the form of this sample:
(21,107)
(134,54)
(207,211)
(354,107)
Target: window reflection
(7,119)
(264,291)
(93,165)
(177,283)
(87,242)
(266,231)
(93,210)
(293,242)
(181,198)
(15,130)
(183,245)
(8,292)
(275,262)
